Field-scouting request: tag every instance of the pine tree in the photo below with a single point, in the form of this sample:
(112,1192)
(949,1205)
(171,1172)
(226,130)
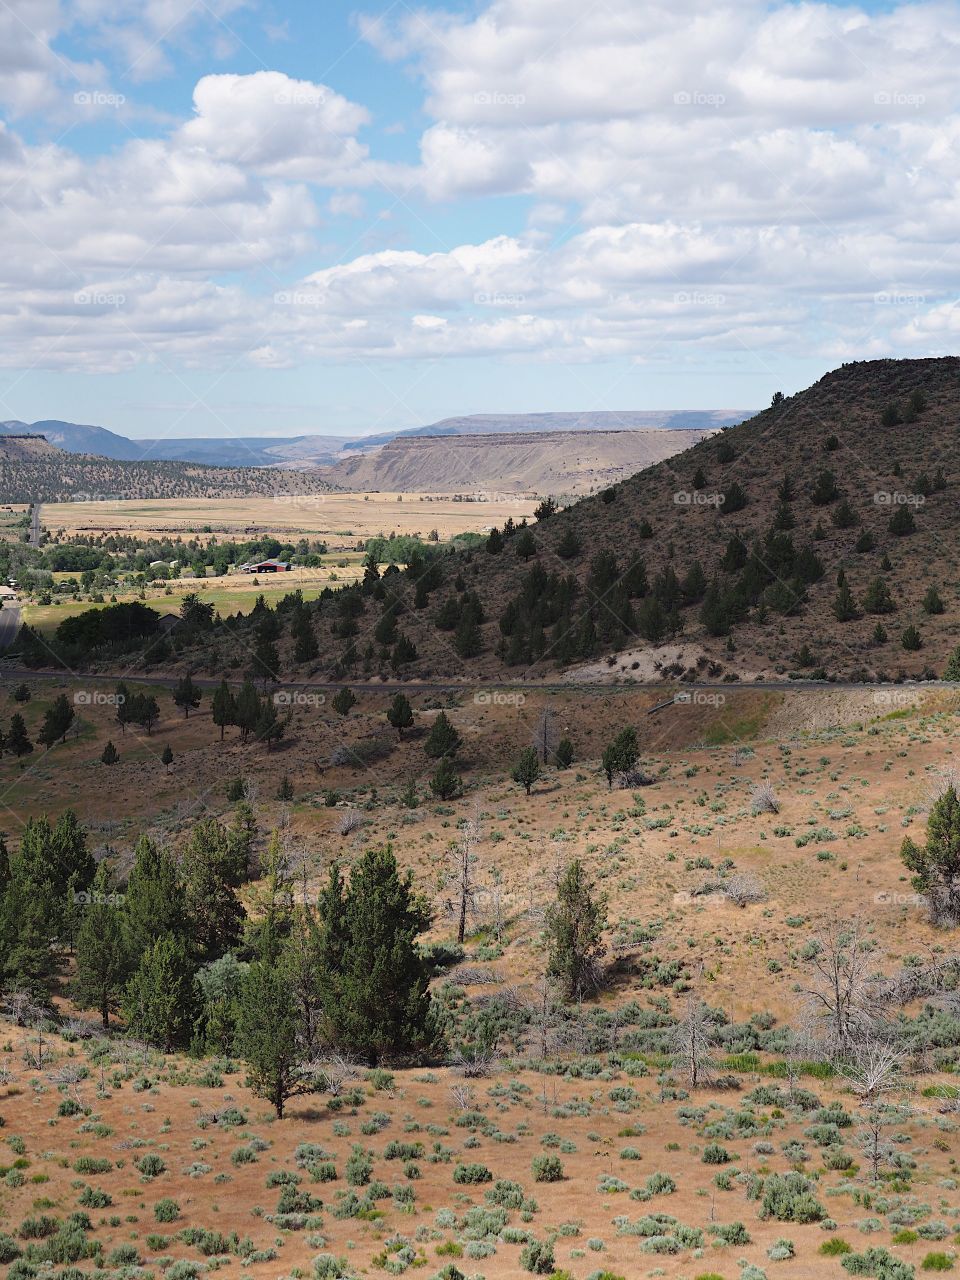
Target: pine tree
(268,1035)
(526,545)
(844,608)
(145,711)
(214,911)
(564,753)
(223,709)
(343,700)
(110,754)
(400,713)
(527,769)
(468,640)
(186,695)
(952,670)
(878,598)
(911,639)
(494,541)
(376,982)
(574,932)
(122,703)
(269,727)
(446,783)
(101,954)
(160,1001)
(621,755)
(154,900)
(18,743)
(932,603)
(166,757)
(247,711)
(902,522)
(443,739)
(936,865)
(305,647)
(56,722)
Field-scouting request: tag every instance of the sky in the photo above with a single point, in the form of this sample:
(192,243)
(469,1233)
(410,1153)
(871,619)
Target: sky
(228,217)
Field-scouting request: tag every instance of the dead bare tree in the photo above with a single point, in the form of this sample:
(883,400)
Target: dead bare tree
(693,1037)
(874,1068)
(546,739)
(462,874)
(840,991)
(871,1139)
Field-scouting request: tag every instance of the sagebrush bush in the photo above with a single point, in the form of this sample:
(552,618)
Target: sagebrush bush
(166,1210)
(547,1169)
(470,1174)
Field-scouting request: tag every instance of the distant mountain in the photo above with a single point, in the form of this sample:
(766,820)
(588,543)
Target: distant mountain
(605,420)
(240,451)
(562,463)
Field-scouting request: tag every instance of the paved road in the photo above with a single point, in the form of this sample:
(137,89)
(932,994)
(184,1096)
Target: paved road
(9,622)
(9,670)
(35,526)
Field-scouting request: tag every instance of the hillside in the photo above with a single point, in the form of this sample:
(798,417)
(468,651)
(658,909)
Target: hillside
(658,570)
(557,462)
(34,470)
(476,424)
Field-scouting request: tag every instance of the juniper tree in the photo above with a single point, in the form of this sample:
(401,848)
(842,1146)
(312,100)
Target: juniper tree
(446,782)
(527,769)
(621,754)
(223,709)
(375,980)
(443,739)
(186,695)
(110,754)
(160,1000)
(400,713)
(343,700)
(936,864)
(153,902)
(574,932)
(18,742)
(268,1036)
(101,954)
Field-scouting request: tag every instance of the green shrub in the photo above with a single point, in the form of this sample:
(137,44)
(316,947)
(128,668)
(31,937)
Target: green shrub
(95,1198)
(714,1153)
(151,1166)
(359,1167)
(937,1262)
(835,1247)
(789,1198)
(537,1258)
(166,1210)
(470,1174)
(547,1169)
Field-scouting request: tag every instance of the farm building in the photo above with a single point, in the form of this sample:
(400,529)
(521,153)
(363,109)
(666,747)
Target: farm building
(265,566)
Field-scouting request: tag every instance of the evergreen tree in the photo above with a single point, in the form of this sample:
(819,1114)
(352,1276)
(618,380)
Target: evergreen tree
(343,700)
(878,598)
(400,713)
(468,640)
(376,982)
(574,931)
(305,647)
(527,769)
(902,522)
(145,711)
(404,652)
(56,722)
(932,603)
(526,545)
(166,757)
(494,541)
(214,911)
(160,1002)
(18,743)
(844,607)
(223,709)
(269,727)
(911,639)
(186,695)
(952,670)
(936,865)
(248,708)
(621,755)
(110,754)
(443,739)
(154,900)
(446,782)
(101,954)
(564,753)
(21,693)
(268,1036)
(569,546)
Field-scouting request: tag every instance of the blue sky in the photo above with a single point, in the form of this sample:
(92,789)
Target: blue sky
(235,218)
